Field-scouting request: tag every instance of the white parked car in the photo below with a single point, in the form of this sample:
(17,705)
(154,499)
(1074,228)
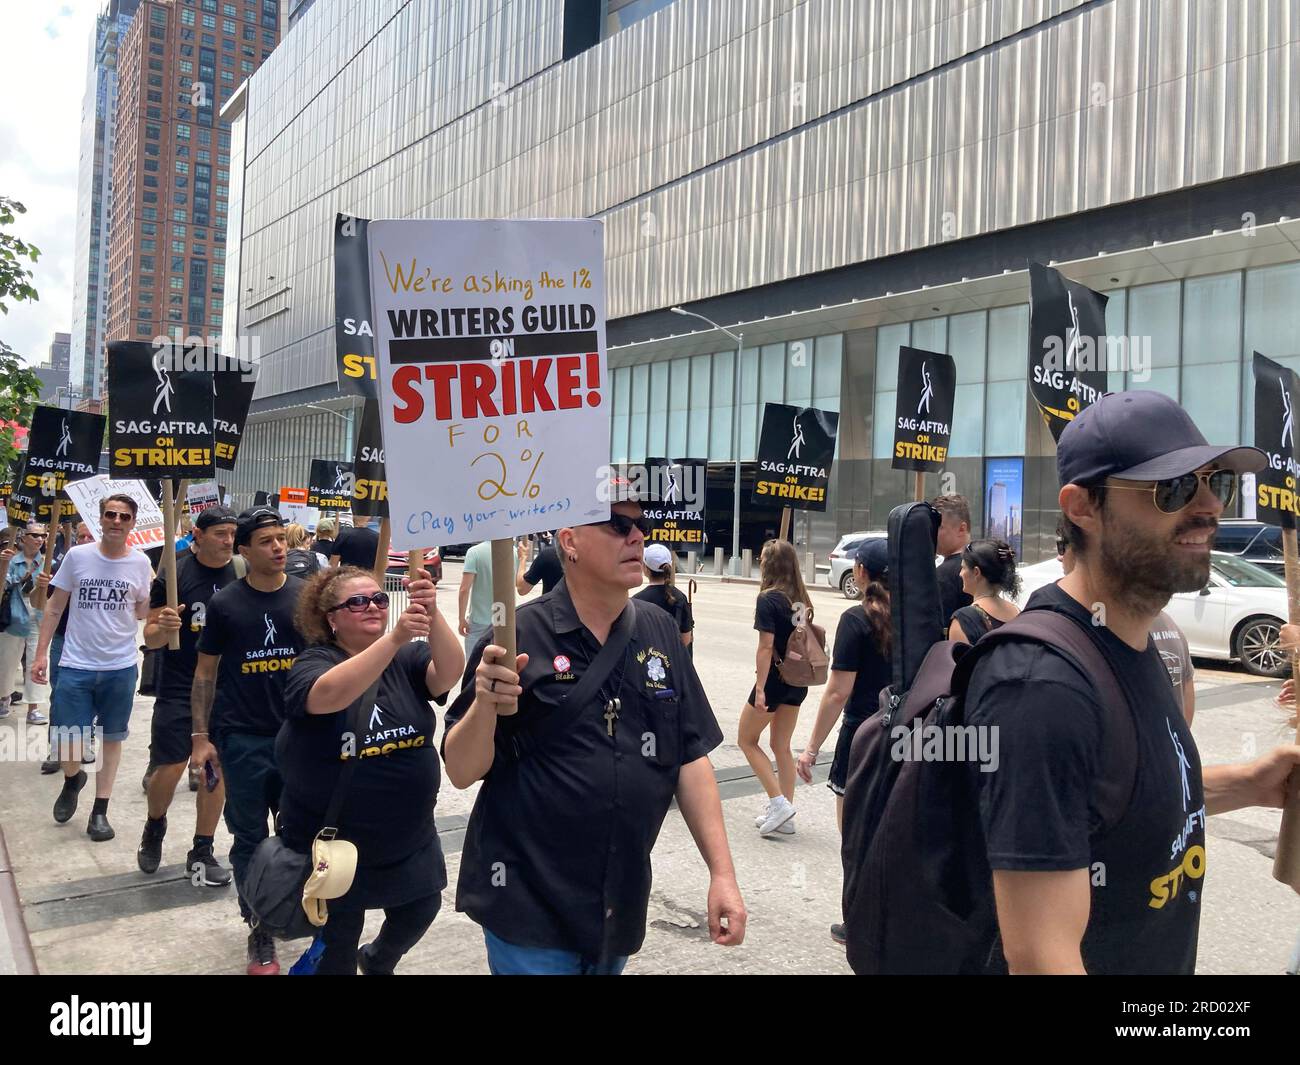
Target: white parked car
(841,571)
(1236,617)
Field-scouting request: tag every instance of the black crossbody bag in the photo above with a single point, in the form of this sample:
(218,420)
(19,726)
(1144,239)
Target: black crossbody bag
(276,872)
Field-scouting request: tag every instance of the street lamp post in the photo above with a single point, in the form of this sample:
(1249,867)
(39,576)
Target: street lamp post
(735,433)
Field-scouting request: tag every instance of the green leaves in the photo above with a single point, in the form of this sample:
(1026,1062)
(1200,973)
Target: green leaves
(20,388)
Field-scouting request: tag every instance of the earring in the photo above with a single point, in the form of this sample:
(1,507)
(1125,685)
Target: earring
(573,559)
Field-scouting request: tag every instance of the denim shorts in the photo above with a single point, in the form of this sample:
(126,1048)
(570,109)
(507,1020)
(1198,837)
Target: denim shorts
(90,696)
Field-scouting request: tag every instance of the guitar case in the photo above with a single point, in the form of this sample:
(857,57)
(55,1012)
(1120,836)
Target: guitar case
(913,588)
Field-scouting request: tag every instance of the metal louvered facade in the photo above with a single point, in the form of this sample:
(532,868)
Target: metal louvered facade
(738,145)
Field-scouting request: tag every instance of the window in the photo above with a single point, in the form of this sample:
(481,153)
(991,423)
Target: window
(187,17)
(178,230)
(182,167)
(228,26)
(153,112)
(144,329)
(227,75)
(250,34)
(228,60)
(182,152)
(203,155)
(268,39)
(158,17)
(149,230)
(155,49)
(187,68)
(178,265)
(151,165)
(229,10)
(149,212)
(176,283)
(182,183)
(155,64)
(178,247)
(147,245)
(208,40)
(144,312)
(155,97)
(187,50)
(178,216)
(245,66)
(146,297)
(209,23)
(182,131)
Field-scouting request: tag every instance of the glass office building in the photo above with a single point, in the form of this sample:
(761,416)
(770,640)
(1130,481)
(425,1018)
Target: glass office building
(829,178)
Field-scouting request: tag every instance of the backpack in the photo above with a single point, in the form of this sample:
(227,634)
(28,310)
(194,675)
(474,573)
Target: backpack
(918,891)
(805,662)
(301,563)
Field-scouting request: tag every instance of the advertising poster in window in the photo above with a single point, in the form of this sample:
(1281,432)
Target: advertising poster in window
(1004,502)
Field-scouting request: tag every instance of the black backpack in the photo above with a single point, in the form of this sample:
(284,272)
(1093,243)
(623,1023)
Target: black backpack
(300,562)
(918,892)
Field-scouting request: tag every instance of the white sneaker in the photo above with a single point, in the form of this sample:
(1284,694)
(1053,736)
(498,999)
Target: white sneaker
(762,814)
(778,814)
(786,829)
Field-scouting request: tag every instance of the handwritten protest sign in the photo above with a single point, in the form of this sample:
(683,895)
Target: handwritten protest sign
(490,348)
(148,531)
(202,495)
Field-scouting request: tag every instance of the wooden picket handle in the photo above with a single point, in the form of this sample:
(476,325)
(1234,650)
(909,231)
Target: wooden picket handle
(1286,859)
(503,595)
(918,485)
(784,534)
(56,512)
(169,554)
(381,552)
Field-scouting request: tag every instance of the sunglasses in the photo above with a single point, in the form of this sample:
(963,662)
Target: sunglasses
(116,515)
(622,525)
(358,603)
(37,536)
(1172,495)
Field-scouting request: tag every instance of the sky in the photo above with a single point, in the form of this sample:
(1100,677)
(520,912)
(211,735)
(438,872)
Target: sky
(44,50)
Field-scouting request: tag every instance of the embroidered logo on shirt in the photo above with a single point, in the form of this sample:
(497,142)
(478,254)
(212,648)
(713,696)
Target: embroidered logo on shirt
(656,663)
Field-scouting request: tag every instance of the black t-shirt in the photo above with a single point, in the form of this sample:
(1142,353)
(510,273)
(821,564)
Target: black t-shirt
(856,651)
(1040,808)
(195,585)
(557,850)
(681,610)
(975,622)
(951,597)
(774,613)
(546,568)
(356,547)
(388,812)
(254,634)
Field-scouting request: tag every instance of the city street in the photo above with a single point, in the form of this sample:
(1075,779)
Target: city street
(89,910)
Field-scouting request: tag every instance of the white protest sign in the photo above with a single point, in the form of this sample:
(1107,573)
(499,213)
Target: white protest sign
(86,494)
(299,513)
(200,496)
(490,354)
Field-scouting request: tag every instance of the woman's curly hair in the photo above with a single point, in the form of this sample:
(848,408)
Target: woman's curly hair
(321,593)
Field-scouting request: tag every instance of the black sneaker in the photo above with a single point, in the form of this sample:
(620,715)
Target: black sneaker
(366,962)
(50,765)
(261,954)
(204,869)
(837,934)
(98,828)
(15,698)
(66,804)
(149,854)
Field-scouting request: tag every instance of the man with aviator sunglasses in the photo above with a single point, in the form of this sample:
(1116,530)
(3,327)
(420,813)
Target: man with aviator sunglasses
(1094,822)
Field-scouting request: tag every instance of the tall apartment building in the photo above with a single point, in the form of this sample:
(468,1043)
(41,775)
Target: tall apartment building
(179,62)
(94,191)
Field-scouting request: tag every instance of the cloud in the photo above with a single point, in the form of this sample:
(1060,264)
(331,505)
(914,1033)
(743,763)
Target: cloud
(41,132)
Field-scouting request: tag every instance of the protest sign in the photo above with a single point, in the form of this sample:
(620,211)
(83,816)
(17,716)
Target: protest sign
(354,340)
(148,531)
(202,495)
(63,446)
(490,348)
(676,505)
(161,417)
(370,481)
(329,486)
(795,451)
(1067,346)
(927,384)
(233,383)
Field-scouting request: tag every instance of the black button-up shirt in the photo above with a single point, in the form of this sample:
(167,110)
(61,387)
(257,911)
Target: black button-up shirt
(557,852)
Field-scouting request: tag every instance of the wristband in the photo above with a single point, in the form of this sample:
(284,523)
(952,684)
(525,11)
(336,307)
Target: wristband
(193,734)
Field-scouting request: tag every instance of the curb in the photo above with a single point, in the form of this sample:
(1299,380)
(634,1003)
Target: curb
(16,955)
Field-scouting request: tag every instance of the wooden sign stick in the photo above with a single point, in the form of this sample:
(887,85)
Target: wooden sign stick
(169,554)
(503,597)
(381,552)
(1286,860)
(785,524)
(918,486)
(56,512)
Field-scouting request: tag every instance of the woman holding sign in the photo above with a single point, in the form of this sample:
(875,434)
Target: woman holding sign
(388,808)
(782,605)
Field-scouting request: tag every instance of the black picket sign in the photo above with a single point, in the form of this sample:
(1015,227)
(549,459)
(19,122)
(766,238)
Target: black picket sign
(676,503)
(354,341)
(795,451)
(927,386)
(330,485)
(1277,388)
(370,481)
(1067,346)
(232,394)
(63,446)
(160,414)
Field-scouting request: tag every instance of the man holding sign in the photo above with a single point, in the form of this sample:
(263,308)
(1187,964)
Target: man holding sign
(106,586)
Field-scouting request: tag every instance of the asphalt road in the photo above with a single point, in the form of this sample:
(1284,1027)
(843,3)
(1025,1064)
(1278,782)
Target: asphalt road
(91,911)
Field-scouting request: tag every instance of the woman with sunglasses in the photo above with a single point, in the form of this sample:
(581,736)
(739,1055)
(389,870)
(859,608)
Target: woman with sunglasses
(388,810)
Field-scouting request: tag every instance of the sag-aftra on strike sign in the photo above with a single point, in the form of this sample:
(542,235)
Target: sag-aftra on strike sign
(160,416)
(490,354)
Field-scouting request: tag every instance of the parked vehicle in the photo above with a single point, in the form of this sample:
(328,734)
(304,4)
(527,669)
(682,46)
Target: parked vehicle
(432,562)
(1236,617)
(841,572)
(1253,541)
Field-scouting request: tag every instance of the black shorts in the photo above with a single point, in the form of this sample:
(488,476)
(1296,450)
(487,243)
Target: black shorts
(778,692)
(169,734)
(839,776)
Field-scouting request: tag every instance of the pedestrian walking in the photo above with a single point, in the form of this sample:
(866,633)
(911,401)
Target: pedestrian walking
(661,589)
(201,572)
(953,536)
(589,735)
(782,605)
(988,576)
(19,573)
(389,804)
(475,596)
(105,587)
(248,643)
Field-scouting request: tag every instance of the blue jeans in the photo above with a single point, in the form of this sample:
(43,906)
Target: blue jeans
(87,696)
(252,795)
(506,959)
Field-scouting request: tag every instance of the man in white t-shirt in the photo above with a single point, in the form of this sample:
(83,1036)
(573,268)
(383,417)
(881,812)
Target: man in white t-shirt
(105,586)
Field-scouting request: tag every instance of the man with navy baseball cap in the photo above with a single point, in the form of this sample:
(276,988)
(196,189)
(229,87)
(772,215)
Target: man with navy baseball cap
(1094,822)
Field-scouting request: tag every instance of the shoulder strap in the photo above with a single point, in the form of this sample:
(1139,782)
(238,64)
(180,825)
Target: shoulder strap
(356,713)
(241,565)
(588,685)
(1119,735)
